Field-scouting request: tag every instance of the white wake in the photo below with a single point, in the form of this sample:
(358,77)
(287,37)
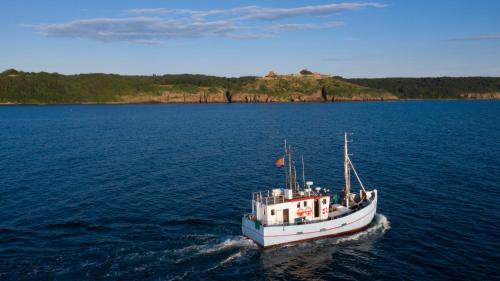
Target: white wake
(380,225)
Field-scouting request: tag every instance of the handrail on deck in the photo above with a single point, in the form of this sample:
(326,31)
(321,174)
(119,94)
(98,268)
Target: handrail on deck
(266,196)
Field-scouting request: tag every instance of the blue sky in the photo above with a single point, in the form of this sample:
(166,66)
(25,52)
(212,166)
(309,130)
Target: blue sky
(386,38)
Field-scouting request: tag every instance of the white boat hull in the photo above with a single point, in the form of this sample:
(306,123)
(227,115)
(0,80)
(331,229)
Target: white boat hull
(269,236)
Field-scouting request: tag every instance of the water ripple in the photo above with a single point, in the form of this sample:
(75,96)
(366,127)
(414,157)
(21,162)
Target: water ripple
(139,192)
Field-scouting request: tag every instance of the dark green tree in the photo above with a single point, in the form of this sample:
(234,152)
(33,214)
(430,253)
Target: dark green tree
(229,96)
(324,93)
(305,72)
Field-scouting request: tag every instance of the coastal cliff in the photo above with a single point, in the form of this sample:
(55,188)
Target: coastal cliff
(282,88)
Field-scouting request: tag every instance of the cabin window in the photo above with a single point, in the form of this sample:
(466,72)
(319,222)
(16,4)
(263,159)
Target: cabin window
(324,200)
(305,203)
(272,212)
(298,205)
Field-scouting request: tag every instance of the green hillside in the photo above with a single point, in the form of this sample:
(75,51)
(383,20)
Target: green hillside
(54,88)
(24,87)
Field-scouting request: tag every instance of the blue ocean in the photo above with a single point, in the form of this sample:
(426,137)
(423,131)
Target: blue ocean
(156,192)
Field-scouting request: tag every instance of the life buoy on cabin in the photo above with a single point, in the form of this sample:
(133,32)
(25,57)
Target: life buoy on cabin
(300,212)
(308,211)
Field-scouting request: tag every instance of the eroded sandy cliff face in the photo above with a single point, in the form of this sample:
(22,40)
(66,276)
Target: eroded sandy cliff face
(242,97)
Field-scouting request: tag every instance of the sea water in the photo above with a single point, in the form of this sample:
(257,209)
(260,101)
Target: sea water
(156,192)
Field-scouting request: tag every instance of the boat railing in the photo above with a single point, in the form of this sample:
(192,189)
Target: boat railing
(271,200)
(303,222)
(258,195)
(312,221)
(266,196)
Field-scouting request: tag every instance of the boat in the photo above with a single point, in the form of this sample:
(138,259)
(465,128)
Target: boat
(304,212)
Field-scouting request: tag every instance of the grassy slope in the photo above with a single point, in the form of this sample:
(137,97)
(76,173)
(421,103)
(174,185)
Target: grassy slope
(309,88)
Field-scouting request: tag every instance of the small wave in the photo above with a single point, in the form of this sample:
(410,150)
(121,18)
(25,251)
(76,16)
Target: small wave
(190,221)
(13,235)
(229,259)
(179,277)
(239,241)
(198,236)
(69,225)
(75,225)
(380,224)
(7,230)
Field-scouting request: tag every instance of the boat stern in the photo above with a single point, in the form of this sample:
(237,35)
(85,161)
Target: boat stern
(252,229)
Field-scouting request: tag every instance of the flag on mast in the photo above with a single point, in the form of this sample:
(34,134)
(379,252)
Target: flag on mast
(280,162)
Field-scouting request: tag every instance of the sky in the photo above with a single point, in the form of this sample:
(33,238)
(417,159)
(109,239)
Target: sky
(386,38)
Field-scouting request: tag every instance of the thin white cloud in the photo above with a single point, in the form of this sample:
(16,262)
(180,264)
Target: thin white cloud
(261,13)
(136,29)
(327,9)
(478,38)
(278,28)
(158,11)
(153,25)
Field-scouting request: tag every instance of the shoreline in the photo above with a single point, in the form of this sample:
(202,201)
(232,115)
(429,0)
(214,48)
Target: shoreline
(236,102)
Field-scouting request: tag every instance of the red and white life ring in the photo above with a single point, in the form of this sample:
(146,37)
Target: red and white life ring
(308,211)
(300,212)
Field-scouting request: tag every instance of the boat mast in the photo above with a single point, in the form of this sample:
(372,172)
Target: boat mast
(347,173)
(284,161)
(290,166)
(295,178)
(303,174)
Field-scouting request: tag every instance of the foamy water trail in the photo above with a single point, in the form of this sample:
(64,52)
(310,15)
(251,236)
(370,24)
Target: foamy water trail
(238,241)
(192,251)
(229,259)
(380,224)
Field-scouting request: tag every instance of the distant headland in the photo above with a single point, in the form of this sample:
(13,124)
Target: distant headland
(18,87)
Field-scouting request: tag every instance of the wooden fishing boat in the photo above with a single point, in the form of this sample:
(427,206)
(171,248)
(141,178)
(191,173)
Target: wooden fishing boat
(299,213)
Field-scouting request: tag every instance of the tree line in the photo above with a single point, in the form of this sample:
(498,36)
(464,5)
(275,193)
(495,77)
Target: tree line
(432,88)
